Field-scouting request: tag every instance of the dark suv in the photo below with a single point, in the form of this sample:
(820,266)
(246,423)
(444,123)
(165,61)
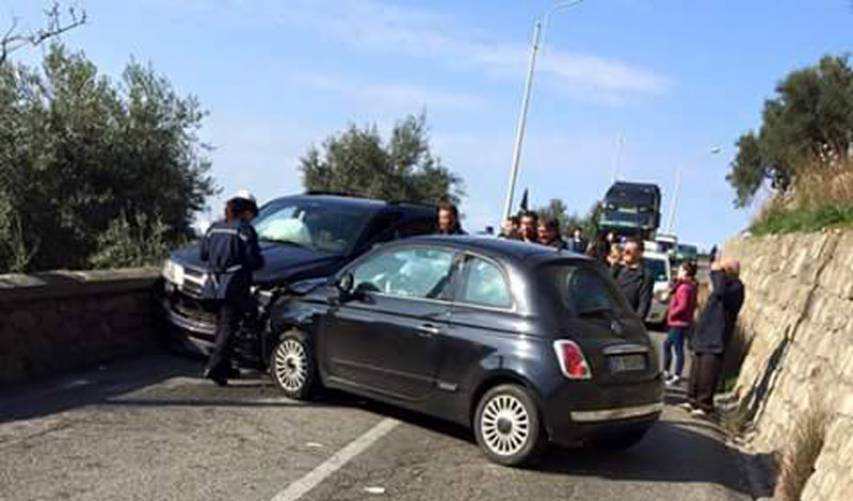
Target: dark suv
(301,237)
(524,343)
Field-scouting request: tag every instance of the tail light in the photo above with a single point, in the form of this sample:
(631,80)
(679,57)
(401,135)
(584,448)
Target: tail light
(571,359)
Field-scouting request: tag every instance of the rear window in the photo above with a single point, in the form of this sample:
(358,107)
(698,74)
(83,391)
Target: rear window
(586,289)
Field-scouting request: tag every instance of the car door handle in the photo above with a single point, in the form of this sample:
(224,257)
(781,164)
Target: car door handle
(428,329)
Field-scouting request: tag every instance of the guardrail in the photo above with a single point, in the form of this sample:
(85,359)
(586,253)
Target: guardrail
(58,321)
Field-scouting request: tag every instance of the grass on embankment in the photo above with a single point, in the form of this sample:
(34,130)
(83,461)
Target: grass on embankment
(821,197)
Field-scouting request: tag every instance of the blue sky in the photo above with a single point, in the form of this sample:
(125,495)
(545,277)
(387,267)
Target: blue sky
(674,77)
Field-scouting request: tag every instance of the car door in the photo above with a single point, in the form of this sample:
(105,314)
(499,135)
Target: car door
(483,321)
(384,338)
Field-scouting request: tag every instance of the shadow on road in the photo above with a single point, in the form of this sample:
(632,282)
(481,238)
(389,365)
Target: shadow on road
(92,386)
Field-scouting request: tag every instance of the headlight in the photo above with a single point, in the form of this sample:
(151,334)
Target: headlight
(173,272)
(662,296)
(168,271)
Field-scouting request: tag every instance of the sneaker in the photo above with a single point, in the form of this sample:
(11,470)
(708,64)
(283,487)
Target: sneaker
(699,413)
(675,379)
(666,376)
(687,406)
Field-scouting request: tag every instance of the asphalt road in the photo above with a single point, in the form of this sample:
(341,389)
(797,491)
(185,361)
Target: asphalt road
(150,429)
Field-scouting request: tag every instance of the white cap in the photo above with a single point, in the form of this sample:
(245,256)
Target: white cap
(244,195)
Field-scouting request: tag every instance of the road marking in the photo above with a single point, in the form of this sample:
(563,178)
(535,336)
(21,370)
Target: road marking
(302,486)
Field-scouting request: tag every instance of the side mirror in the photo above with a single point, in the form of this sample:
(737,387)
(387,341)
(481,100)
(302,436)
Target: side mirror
(345,283)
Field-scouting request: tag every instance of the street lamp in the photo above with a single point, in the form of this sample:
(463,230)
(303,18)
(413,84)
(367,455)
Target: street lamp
(525,100)
(671,221)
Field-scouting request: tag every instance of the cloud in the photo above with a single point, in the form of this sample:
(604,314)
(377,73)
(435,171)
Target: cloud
(383,27)
(394,98)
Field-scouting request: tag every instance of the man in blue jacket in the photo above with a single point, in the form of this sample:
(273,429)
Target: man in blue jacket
(230,249)
(712,335)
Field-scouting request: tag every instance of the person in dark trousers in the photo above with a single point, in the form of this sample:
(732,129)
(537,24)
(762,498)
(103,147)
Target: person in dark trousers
(679,319)
(712,335)
(230,249)
(529,227)
(548,233)
(634,279)
(448,219)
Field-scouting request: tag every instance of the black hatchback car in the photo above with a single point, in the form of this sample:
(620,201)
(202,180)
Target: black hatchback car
(524,343)
(301,237)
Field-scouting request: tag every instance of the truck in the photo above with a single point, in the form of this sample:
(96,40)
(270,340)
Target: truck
(631,209)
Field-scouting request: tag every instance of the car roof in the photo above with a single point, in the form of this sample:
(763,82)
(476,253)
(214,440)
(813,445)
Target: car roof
(514,250)
(352,201)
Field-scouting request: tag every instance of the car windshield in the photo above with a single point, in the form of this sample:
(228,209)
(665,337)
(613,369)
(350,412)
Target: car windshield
(586,290)
(657,267)
(312,225)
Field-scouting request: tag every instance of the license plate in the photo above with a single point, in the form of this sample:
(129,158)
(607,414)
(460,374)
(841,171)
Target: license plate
(627,363)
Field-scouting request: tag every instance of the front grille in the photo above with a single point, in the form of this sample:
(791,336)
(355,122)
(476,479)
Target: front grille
(193,309)
(193,281)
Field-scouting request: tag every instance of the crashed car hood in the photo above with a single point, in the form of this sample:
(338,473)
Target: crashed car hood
(282,263)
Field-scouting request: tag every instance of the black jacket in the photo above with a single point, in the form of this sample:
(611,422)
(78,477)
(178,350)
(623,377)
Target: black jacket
(232,253)
(717,322)
(637,285)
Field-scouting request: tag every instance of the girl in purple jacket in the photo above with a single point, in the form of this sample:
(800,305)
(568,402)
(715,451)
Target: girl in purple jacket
(679,318)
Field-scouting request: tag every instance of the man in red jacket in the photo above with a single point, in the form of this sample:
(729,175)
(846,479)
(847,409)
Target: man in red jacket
(679,318)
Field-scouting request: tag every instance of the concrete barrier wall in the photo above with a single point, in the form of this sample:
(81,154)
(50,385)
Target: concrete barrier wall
(57,321)
(798,324)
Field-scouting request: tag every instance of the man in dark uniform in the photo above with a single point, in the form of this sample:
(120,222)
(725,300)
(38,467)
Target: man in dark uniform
(634,279)
(448,219)
(230,249)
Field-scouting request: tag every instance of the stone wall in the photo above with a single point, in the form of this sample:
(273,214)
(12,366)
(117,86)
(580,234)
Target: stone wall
(798,325)
(58,321)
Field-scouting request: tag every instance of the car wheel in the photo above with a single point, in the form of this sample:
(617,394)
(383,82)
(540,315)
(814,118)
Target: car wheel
(507,425)
(293,367)
(615,442)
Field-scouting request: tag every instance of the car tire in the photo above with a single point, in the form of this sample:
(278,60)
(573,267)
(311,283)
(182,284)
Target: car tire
(293,367)
(507,426)
(616,442)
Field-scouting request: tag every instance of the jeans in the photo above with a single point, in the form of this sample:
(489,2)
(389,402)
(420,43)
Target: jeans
(674,343)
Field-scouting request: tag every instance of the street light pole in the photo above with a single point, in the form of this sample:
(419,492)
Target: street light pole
(522,121)
(671,220)
(525,102)
(672,208)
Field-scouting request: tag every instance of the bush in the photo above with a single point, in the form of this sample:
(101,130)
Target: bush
(126,243)
(798,460)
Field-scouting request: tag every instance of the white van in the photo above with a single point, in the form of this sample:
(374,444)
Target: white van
(658,265)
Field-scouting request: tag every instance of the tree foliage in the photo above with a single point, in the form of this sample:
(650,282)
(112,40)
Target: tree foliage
(357,161)
(810,117)
(79,151)
(557,209)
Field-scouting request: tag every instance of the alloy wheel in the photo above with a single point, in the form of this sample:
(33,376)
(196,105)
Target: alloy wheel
(505,425)
(291,365)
